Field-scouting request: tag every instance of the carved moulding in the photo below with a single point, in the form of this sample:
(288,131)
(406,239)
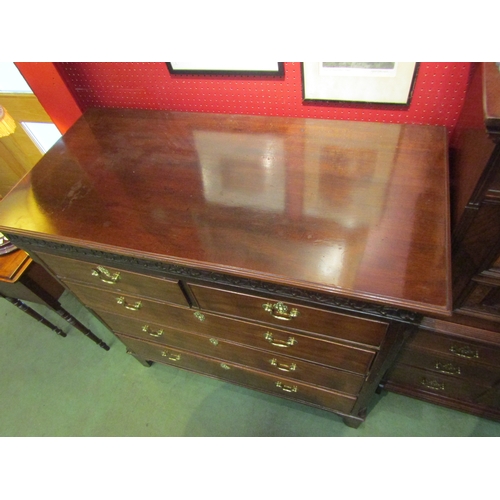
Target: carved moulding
(350,305)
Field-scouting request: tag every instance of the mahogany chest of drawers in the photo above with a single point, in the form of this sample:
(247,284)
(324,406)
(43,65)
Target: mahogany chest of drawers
(291,256)
(453,363)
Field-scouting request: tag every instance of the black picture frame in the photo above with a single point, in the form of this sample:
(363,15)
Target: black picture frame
(196,70)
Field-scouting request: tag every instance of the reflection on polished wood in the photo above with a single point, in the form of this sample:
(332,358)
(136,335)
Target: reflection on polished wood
(357,209)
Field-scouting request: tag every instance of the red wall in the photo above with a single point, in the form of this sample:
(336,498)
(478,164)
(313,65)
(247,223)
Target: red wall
(437,98)
(52,93)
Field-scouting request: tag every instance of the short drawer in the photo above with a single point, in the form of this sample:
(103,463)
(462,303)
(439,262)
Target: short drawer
(290,316)
(278,364)
(457,348)
(277,385)
(114,279)
(447,364)
(155,317)
(436,384)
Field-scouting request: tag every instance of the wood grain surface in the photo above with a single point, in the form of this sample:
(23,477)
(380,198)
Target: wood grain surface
(353,208)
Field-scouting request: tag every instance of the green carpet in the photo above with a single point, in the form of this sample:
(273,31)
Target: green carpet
(54,386)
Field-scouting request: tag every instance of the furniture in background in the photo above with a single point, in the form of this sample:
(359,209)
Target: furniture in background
(291,256)
(456,362)
(21,279)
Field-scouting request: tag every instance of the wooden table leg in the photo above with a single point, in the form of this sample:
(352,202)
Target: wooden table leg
(74,322)
(34,314)
(24,279)
(33,282)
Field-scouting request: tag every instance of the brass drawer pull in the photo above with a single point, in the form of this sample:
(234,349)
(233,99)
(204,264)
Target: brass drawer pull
(280,311)
(105,276)
(448,368)
(432,384)
(214,341)
(281,366)
(286,388)
(199,316)
(464,351)
(146,329)
(279,343)
(171,356)
(121,301)
(224,366)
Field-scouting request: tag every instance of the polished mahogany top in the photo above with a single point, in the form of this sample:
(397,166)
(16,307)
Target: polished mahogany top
(358,209)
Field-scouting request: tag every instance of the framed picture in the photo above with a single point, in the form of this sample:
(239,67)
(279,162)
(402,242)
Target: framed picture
(362,82)
(251,69)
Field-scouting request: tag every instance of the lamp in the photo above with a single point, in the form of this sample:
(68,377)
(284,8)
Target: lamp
(7,123)
(5,245)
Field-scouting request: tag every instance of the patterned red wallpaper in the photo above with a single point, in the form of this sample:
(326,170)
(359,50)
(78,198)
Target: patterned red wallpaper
(437,99)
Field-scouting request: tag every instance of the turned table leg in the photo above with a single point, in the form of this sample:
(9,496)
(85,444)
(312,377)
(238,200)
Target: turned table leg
(50,301)
(34,314)
(79,326)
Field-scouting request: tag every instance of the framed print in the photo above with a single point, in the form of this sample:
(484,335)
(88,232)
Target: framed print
(366,82)
(200,68)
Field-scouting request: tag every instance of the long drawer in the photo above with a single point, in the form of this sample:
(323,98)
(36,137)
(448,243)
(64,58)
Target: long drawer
(157,316)
(277,385)
(114,279)
(448,364)
(294,316)
(437,384)
(457,348)
(214,347)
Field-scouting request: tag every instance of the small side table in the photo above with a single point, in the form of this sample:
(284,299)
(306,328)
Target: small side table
(21,278)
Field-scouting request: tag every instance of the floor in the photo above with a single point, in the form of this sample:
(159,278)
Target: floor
(55,386)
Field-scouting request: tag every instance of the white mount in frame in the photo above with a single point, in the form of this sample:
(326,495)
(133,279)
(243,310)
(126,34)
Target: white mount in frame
(386,83)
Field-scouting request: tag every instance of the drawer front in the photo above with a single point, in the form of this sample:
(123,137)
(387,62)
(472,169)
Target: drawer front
(115,280)
(277,385)
(436,384)
(484,299)
(290,316)
(278,364)
(458,349)
(444,364)
(157,317)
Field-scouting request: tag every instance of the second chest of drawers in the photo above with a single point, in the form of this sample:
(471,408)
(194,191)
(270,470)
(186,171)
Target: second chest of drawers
(451,370)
